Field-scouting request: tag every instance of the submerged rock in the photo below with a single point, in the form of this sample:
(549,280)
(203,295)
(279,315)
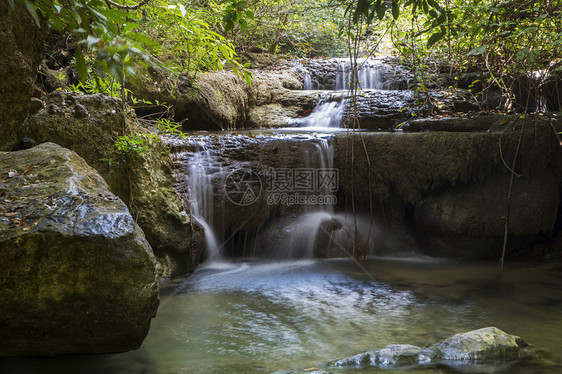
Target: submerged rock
(76,273)
(488,344)
(391,355)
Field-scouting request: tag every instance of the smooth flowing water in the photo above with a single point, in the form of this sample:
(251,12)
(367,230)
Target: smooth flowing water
(202,166)
(274,317)
(368,75)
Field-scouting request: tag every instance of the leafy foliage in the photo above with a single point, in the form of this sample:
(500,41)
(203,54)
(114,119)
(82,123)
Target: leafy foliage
(113,38)
(106,37)
(299,28)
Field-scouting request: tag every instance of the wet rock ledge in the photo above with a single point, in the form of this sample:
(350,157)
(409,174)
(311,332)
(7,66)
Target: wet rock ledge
(76,273)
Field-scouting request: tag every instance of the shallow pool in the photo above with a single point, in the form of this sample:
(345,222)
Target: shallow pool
(252,317)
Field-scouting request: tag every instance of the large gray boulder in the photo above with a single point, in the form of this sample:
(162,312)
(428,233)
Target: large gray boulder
(21,51)
(76,273)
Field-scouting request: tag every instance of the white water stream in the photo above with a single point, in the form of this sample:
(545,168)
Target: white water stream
(202,166)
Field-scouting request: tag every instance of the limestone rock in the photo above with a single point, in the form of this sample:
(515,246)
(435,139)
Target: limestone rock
(469,221)
(21,51)
(489,343)
(406,174)
(76,273)
(145,184)
(390,356)
(221,100)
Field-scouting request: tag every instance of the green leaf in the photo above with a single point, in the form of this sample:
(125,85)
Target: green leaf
(381,9)
(243,24)
(433,3)
(112,15)
(478,50)
(142,38)
(435,38)
(115,70)
(31,9)
(395,9)
(248,78)
(361,5)
(81,65)
(130,26)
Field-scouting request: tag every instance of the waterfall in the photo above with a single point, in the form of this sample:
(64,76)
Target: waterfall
(201,168)
(328,113)
(307,81)
(342,77)
(369,76)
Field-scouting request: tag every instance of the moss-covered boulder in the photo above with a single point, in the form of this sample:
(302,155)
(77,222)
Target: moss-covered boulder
(90,125)
(222,100)
(21,51)
(451,186)
(468,221)
(76,273)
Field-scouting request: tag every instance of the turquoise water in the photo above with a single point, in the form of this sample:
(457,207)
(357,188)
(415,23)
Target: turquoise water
(268,317)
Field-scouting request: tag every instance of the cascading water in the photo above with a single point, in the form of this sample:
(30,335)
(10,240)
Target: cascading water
(307,81)
(368,75)
(283,223)
(330,109)
(201,195)
(328,113)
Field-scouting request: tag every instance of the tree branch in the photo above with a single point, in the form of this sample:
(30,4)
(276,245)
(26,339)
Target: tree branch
(126,7)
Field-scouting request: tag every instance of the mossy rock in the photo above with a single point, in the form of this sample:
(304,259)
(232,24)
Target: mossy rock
(473,351)
(489,343)
(21,51)
(90,125)
(76,273)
